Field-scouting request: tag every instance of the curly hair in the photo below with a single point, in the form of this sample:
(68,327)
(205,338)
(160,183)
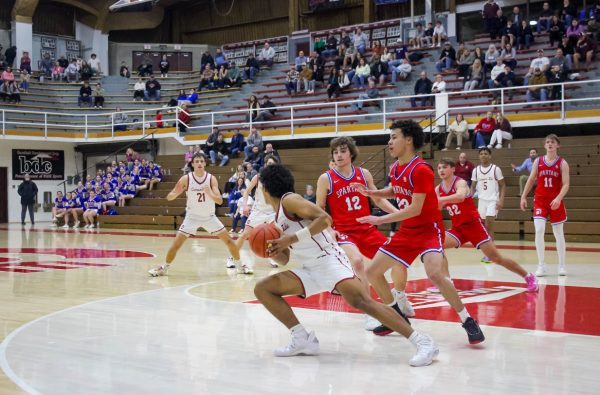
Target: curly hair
(344,141)
(277,180)
(411,129)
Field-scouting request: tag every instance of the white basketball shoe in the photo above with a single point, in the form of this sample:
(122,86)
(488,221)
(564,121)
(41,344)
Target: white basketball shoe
(403,303)
(299,346)
(427,350)
(541,270)
(161,270)
(371,323)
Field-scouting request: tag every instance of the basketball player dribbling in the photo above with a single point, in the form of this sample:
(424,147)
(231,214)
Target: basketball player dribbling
(259,213)
(202,194)
(421,230)
(346,204)
(552,174)
(467,226)
(325,267)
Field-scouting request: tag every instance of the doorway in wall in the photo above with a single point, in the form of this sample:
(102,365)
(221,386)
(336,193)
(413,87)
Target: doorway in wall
(3,195)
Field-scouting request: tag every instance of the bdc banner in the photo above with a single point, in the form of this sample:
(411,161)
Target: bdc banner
(39,164)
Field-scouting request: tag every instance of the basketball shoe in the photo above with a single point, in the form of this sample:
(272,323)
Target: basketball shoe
(473,331)
(531,281)
(562,270)
(371,323)
(486,260)
(230,263)
(161,270)
(541,270)
(427,350)
(244,269)
(383,330)
(405,306)
(299,346)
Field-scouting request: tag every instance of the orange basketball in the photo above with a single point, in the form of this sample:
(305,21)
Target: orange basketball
(259,237)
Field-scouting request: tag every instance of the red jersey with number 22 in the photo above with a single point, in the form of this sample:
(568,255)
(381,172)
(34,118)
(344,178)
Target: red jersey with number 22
(345,203)
(460,213)
(413,177)
(549,178)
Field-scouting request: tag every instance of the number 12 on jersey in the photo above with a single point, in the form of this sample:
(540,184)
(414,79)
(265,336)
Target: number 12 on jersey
(353,203)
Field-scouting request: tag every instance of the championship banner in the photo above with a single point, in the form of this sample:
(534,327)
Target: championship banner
(39,164)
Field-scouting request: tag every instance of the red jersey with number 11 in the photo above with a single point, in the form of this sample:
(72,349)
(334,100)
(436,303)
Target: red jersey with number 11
(345,203)
(460,213)
(549,178)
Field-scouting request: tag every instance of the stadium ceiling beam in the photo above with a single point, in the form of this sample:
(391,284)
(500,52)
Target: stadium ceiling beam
(23,10)
(85,6)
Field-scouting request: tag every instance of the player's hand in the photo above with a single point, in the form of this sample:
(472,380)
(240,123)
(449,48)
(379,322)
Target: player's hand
(361,188)
(370,219)
(334,233)
(246,211)
(499,205)
(523,203)
(555,203)
(278,246)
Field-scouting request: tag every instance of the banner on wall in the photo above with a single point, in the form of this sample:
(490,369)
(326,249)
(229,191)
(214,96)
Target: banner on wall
(320,5)
(39,164)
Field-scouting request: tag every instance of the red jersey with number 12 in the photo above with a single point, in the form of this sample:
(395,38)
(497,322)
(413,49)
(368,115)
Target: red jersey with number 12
(460,213)
(549,178)
(345,203)
(415,176)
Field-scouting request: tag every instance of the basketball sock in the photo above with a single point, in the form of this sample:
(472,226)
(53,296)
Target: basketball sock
(414,337)
(399,294)
(298,331)
(464,314)
(561,247)
(540,227)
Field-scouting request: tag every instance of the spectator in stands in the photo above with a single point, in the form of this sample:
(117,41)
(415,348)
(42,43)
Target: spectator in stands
(94,63)
(266,56)
(568,13)
(98,96)
(482,134)
(10,55)
(72,71)
(378,70)
(319,45)
(516,17)
(526,167)
(585,49)
(417,40)
(345,39)
(556,76)
(464,62)
(235,75)
(595,11)
(131,156)
(64,63)
(363,71)
(505,79)
(475,76)
(251,69)
(211,140)
(85,94)
(46,65)
(138,90)
(333,86)
(219,151)
(508,34)
(145,68)
(240,216)
(207,59)
(439,85)
(253,108)
(544,18)
(10,91)
(237,143)
(235,194)
(388,56)
(498,24)
(574,31)
(376,49)
(188,157)
(359,40)
(164,66)
(124,70)
(331,46)
(479,54)
(152,89)
(439,34)
(220,59)
(25,81)
(370,93)
(57,72)
(300,61)
(270,150)
(85,71)
(292,80)
(464,168)
(249,171)
(267,109)
(557,30)
(349,54)
(459,130)
(490,9)
(317,64)
(509,56)
(119,120)
(207,78)
(343,80)
(490,58)
(447,58)
(402,70)
(185,119)
(224,81)
(502,132)
(422,89)
(593,28)
(253,140)
(190,98)
(25,62)
(158,119)
(400,53)
(565,63)
(534,92)
(496,70)
(525,35)
(541,62)
(310,194)
(7,75)
(428,36)
(306,76)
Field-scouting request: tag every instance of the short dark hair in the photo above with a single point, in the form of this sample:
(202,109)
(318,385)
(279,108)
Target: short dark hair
(271,157)
(447,162)
(411,129)
(196,155)
(277,180)
(348,142)
(532,148)
(489,151)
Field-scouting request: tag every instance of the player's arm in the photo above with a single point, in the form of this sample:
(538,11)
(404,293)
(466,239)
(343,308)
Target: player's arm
(412,210)
(502,186)
(385,193)
(181,186)
(462,191)
(383,204)
(299,207)
(566,178)
(529,183)
(247,192)
(213,191)
(322,190)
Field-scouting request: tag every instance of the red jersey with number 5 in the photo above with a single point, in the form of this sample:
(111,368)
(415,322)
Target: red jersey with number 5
(549,178)
(460,213)
(415,176)
(345,203)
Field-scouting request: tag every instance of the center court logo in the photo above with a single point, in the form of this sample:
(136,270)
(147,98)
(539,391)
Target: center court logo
(35,260)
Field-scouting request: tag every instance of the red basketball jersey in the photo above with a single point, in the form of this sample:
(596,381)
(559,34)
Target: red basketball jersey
(460,213)
(415,176)
(345,203)
(549,178)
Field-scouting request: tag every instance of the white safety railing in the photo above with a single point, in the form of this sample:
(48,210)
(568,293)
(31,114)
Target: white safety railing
(333,114)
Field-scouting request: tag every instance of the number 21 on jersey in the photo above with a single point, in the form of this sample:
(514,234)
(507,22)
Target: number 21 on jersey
(201,197)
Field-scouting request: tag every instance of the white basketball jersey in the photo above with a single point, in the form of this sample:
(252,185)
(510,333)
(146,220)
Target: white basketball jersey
(198,201)
(260,203)
(305,251)
(487,181)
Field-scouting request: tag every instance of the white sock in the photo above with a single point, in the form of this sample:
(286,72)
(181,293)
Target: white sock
(561,247)
(464,314)
(299,331)
(540,227)
(414,337)
(400,294)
